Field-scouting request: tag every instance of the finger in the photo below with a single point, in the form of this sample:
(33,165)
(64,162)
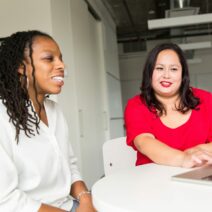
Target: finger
(196,159)
(205,157)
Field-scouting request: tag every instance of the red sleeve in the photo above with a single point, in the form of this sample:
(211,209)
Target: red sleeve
(210,119)
(137,120)
(206,98)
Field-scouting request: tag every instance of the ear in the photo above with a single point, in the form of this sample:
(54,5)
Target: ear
(21,69)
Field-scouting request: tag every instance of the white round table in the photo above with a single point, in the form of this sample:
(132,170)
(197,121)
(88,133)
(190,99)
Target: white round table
(149,188)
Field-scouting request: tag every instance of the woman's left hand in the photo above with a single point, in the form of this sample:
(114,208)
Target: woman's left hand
(200,154)
(86,204)
(85,198)
(201,147)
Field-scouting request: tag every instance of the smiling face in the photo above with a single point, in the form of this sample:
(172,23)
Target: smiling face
(167,74)
(49,67)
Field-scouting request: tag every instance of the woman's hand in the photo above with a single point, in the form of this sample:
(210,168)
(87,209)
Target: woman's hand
(86,204)
(195,157)
(85,200)
(194,149)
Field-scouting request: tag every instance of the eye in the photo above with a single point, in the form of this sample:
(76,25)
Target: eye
(61,58)
(174,69)
(159,68)
(49,58)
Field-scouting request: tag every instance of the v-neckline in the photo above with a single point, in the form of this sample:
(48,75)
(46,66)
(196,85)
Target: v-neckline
(180,126)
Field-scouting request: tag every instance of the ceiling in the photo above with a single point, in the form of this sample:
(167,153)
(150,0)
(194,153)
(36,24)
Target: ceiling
(131,18)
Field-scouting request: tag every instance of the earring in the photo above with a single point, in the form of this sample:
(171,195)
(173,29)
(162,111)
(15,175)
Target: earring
(27,82)
(24,81)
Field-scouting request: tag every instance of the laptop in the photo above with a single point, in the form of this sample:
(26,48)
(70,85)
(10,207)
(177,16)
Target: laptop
(202,175)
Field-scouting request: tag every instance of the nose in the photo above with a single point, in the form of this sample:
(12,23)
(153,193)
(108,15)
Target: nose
(60,65)
(166,73)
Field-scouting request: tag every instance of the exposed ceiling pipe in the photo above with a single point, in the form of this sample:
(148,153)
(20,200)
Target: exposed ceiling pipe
(1,39)
(162,37)
(130,18)
(179,4)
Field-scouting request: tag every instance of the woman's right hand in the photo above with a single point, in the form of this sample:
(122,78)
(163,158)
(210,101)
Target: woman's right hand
(196,158)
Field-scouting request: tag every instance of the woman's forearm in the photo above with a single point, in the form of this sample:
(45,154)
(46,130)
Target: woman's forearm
(157,151)
(80,192)
(207,147)
(160,153)
(77,188)
(48,208)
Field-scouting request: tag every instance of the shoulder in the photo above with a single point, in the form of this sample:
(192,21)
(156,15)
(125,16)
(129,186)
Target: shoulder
(2,106)
(204,96)
(7,129)
(135,101)
(137,105)
(200,93)
(4,115)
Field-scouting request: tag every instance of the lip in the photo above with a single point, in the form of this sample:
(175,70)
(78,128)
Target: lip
(58,75)
(165,84)
(58,79)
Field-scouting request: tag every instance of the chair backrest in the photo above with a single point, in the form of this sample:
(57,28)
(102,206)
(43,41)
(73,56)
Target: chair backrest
(117,155)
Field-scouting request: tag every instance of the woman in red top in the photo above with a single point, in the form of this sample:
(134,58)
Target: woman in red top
(170,123)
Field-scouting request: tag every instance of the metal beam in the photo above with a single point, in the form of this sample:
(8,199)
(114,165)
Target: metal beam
(179,21)
(130,18)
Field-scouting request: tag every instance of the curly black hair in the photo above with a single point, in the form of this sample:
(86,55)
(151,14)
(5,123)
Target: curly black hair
(187,99)
(13,86)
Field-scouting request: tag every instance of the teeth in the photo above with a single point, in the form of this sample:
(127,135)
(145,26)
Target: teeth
(58,78)
(165,83)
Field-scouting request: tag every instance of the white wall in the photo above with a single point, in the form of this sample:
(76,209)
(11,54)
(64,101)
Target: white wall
(87,47)
(24,15)
(112,71)
(114,85)
(131,66)
(201,73)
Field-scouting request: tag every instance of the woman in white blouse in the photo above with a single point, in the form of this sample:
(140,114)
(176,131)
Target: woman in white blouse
(37,166)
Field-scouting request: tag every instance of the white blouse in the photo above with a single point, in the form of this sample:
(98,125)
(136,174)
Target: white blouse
(39,169)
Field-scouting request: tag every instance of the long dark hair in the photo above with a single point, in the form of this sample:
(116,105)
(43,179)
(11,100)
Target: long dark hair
(13,86)
(187,99)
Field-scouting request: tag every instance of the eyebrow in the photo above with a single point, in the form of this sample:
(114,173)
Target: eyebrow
(169,65)
(175,65)
(51,52)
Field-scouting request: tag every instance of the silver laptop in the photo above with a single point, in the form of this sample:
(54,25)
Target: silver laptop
(201,175)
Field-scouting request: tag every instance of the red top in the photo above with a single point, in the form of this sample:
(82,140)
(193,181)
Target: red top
(197,130)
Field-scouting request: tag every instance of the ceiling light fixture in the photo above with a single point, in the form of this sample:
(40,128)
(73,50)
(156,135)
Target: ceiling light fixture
(179,21)
(181,12)
(196,45)
(194,61)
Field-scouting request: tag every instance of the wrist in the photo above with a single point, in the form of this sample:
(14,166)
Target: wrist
(202,147)
(84,196)
(180,159)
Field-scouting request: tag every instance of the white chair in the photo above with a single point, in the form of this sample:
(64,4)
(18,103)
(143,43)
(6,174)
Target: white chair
(117,155)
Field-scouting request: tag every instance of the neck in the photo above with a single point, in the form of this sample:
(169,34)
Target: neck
(169,102)
(37,101)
